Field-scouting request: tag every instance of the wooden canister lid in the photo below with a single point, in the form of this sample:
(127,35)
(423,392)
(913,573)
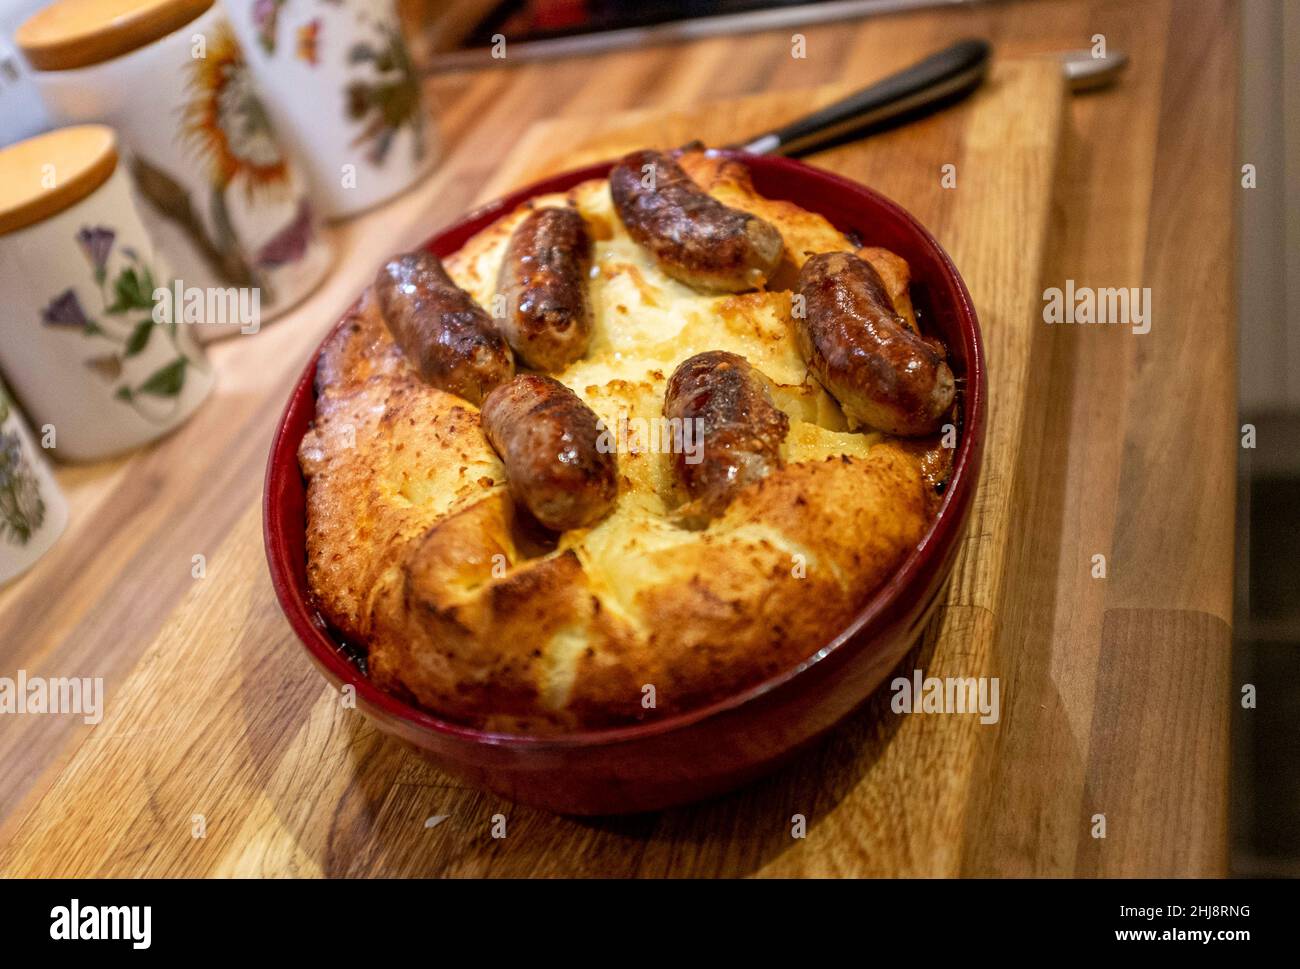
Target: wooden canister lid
(78,33)
(42,176)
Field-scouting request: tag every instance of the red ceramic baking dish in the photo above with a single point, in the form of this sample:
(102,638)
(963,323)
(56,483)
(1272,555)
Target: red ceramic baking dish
(715,748)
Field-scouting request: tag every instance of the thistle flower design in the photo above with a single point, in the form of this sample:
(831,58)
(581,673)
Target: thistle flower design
(22,509)
(65,310)
(96,243)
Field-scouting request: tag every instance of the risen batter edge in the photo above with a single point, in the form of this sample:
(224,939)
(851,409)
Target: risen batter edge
(416,552)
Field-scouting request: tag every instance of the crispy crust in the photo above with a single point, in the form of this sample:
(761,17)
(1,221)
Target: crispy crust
(416,551)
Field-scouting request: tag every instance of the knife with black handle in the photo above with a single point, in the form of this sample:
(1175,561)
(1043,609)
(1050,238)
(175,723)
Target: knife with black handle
(938,80)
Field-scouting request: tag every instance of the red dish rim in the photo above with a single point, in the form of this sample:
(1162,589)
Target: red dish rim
(308,625)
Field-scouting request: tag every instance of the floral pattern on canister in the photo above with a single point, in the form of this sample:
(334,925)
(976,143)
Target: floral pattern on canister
(226,123)
(125,327)
(383,102)
(226,127)
(389,101)
(22,509)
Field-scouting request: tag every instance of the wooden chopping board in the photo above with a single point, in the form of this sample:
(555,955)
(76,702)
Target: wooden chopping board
(224,753)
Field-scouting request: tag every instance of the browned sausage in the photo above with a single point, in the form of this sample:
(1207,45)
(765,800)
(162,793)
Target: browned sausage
(548,439)
(693,236)
(543,280)
(740,427)
(883,374)
(447,336)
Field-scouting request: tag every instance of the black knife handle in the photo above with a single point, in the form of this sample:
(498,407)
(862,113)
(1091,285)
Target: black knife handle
(950,73)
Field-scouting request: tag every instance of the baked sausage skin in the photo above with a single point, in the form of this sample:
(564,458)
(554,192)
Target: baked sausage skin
(547,318)
(548,440)
(740,429)
(692,236)
(448,337)
(883,374)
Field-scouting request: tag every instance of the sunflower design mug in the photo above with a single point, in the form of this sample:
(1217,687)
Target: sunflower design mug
(220,194)
(340,85)
(98,362)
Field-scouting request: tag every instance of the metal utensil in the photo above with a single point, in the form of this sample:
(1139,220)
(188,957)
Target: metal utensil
(1086,71)
(936,82)
(940,79)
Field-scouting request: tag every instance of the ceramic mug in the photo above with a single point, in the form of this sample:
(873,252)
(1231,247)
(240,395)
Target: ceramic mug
(219,192)
(99,363)
(33,513)
(340,86)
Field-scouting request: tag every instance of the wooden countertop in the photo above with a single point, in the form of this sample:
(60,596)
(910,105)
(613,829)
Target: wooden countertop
(1135,460)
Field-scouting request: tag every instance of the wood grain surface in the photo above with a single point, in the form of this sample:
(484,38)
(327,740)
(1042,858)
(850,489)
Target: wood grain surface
(1114,691)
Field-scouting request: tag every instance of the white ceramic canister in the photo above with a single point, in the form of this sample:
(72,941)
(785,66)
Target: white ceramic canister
(21,112)
(98,365)
(340,86)
(222,197)
(33,513)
